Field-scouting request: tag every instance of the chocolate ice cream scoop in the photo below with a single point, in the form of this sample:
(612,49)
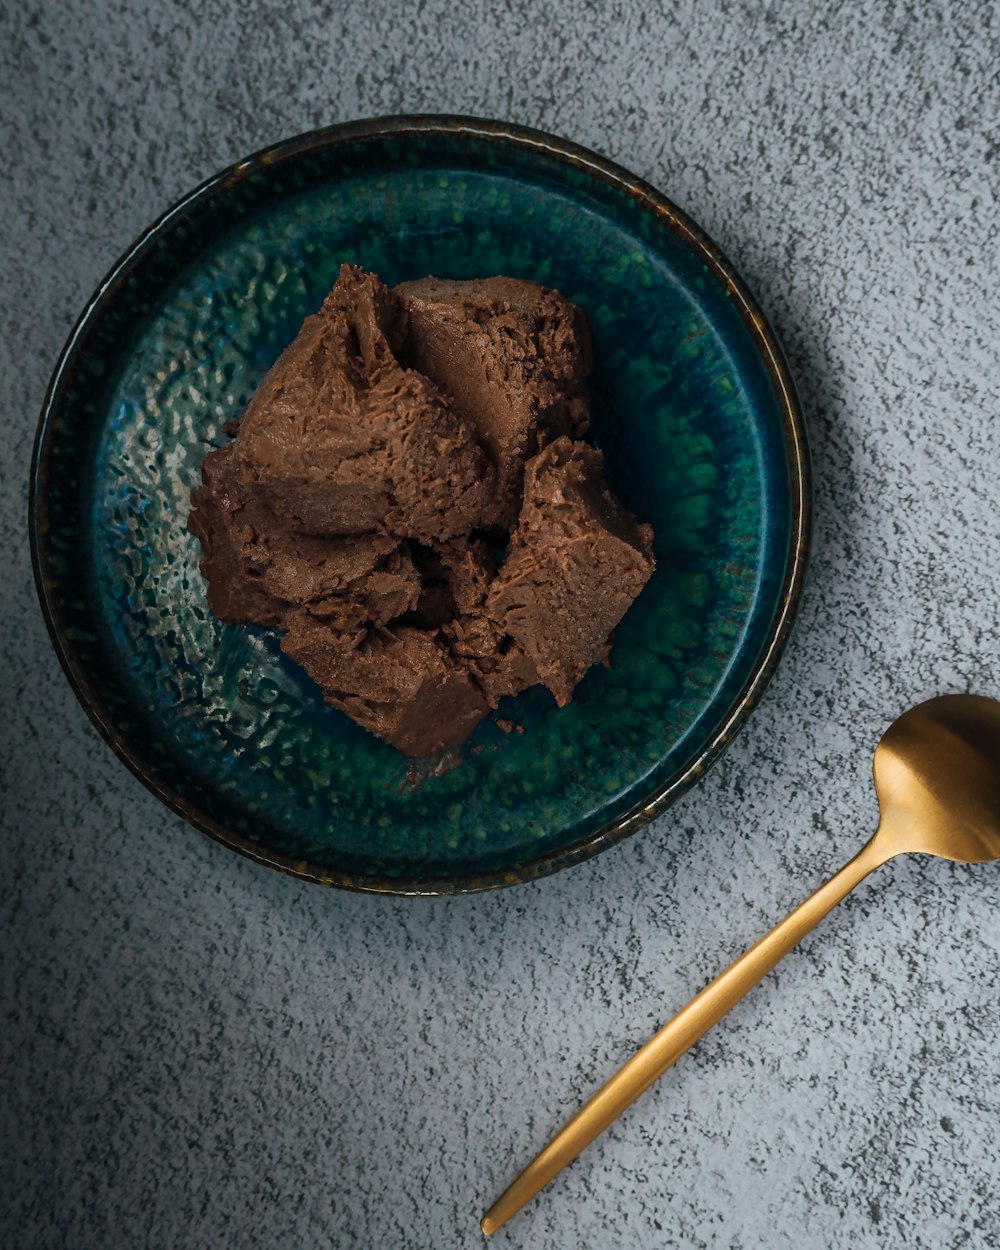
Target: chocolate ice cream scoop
(340,438)
(576,562)
(257,566)
(365,505)
(402,685)
(513,356)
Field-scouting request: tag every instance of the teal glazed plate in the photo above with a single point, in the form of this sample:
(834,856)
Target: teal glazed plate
(692,405)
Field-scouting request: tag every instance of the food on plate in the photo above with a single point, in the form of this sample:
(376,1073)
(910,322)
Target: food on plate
(408,498)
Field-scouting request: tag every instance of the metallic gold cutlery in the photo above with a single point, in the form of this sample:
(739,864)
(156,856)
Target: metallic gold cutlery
(937,777)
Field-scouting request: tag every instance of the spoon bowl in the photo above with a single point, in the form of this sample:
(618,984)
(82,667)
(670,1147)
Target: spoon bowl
(937,777)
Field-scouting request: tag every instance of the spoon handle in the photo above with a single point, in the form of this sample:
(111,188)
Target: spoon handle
(677,1036)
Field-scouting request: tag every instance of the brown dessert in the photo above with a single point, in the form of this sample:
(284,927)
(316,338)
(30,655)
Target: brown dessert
(366,504)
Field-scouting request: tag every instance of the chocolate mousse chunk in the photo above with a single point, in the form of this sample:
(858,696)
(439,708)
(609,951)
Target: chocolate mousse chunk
(340,438)
(407,501)
(495,660)
(577,560)
(514,357)
(257,567)
(403,685)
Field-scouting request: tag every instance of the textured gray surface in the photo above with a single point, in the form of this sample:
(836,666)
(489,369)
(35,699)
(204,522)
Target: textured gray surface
(199,1052)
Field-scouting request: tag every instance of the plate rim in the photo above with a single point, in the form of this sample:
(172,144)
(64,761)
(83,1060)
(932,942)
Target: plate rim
(797,459)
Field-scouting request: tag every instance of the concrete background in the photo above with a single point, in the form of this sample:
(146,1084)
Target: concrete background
(199,1052)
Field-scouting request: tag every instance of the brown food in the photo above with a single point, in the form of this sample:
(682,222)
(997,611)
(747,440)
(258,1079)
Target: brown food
(575,563)
(374,481)
(402,684)
(513,356)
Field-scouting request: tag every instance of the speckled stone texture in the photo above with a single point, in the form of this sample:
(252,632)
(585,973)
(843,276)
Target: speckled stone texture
(196,1051)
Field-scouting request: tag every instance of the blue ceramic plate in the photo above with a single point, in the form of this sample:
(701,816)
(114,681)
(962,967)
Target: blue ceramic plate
(693,407)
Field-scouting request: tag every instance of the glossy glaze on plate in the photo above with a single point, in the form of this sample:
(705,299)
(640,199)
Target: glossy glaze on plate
(692,406)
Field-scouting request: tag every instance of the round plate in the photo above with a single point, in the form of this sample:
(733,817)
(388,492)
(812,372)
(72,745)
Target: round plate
(692,404)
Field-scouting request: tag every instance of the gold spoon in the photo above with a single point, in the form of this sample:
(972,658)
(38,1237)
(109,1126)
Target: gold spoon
(937,777)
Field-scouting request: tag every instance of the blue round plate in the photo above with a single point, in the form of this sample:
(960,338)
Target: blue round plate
(693,407)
